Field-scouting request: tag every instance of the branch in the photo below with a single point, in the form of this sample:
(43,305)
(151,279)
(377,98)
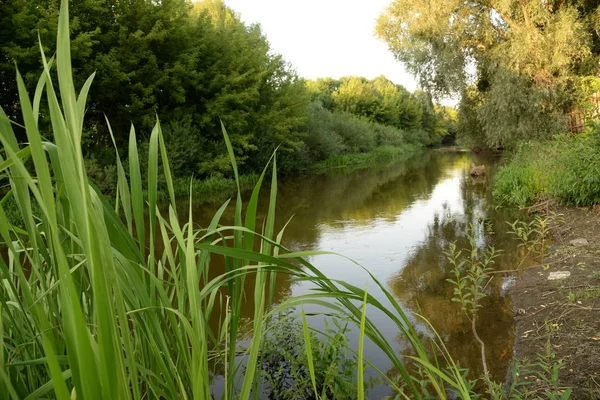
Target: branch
(486,371)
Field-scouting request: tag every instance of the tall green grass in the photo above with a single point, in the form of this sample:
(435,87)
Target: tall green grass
(104,300)
(566,168)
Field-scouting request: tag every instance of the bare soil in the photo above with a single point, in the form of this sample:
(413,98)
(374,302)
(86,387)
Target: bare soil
(564,313)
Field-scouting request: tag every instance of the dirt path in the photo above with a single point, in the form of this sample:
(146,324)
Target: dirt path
(566,312)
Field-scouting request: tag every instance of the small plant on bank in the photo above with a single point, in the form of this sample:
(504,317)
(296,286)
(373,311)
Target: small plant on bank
(532,380)
(471,268)
(535,236)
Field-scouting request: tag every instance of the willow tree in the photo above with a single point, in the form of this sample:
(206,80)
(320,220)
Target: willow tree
(518,60)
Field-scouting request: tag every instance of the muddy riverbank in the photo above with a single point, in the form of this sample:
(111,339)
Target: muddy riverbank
(557,304)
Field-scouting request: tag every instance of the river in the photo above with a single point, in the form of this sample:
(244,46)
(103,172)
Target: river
(396,221)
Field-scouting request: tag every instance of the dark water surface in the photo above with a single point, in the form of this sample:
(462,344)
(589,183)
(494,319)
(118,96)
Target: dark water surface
(396,221)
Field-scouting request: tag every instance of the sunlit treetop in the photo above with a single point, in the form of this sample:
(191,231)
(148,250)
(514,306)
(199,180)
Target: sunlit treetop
(439,39)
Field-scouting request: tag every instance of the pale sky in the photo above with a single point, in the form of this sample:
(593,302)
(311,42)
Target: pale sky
(326,38)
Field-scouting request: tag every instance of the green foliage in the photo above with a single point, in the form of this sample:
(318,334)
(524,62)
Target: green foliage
(576,179)
(198,64)
(511,111)
(285,366)
(186,147)
(516,65)
(517,185)
(334,135)
(534,235)
(103,176)
(357,134)
(114,300)
(471,269)
(382,102)
(565,168)
(545,369)
(320,139)
(214,189)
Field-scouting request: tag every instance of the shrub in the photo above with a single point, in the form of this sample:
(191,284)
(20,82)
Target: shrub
(390,136)
(103,176)
(517,185)
(185,145)
(356,132)
(577,173)
(321,140)
(284,362)
(566,168)
(417,136)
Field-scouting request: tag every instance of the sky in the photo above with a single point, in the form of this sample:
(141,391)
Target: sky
(326,38)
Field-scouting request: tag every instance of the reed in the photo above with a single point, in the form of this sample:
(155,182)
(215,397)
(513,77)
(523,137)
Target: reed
(111,299)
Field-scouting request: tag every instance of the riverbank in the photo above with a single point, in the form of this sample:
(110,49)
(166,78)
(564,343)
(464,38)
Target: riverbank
(564,313)
(217,189)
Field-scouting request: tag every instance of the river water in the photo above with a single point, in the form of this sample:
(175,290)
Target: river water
(396,221)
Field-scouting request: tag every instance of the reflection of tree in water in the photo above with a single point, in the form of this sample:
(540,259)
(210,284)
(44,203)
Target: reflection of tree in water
(422,284)
(357,197)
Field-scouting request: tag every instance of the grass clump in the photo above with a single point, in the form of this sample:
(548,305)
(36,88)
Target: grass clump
(576,177)
(213,189)
(566,168)
(517,185)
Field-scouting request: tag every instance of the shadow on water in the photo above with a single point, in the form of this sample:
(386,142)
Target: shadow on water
(396,221)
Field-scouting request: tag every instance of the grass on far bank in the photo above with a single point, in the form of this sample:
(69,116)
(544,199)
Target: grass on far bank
(218,188)
(378,156)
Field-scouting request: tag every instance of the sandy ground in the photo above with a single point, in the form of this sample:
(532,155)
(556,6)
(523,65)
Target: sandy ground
(566,312)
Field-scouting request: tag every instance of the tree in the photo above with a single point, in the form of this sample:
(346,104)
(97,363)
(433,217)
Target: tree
(322,89)
(194,65)
(451,45)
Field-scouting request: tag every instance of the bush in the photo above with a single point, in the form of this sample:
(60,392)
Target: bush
(331,135)
(284,366)
(389,136)
(566,168)
(517,185)
(185,145)
(103,176)
(577,173)
(356,132)
(321,140)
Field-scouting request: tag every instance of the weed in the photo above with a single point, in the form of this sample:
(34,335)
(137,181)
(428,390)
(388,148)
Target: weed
(517,185)
(284,363)
(535,235)
(471,269)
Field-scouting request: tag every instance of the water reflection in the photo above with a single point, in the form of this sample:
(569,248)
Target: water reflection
(396,221)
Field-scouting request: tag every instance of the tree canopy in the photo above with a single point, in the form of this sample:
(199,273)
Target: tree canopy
(517,61)
(381,101)
(195,64)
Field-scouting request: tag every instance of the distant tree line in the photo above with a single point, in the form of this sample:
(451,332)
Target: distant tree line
(194,65)
(381,101)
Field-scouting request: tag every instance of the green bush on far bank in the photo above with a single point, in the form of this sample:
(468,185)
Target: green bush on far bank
(330,139)
(566,168)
